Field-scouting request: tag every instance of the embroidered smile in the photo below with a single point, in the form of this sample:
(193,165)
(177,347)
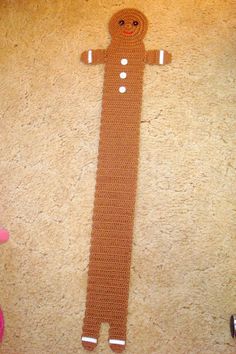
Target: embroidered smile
(128,32)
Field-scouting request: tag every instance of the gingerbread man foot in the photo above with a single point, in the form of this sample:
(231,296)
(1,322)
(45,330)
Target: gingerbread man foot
(90,334)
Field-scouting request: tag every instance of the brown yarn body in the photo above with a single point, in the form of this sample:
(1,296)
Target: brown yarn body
(116,182)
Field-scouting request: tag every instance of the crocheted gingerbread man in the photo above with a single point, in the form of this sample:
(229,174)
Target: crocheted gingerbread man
(113,214)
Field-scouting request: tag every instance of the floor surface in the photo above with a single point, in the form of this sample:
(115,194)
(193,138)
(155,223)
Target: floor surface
(183,280)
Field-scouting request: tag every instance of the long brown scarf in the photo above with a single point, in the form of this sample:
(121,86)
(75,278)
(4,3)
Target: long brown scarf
(116,179)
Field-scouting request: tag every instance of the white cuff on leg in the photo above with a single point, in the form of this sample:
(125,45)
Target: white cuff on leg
(117,341)
(89,340)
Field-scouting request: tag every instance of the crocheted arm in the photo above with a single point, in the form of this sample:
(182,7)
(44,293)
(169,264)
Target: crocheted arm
(94,56)
(159,57)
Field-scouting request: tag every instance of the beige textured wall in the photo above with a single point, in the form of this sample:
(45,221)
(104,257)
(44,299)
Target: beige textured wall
(183,272)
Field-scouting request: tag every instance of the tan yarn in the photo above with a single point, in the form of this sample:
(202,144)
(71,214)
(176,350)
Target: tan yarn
(116,179)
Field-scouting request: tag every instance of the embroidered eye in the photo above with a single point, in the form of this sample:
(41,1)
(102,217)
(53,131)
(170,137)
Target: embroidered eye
(135,23)
(121,22)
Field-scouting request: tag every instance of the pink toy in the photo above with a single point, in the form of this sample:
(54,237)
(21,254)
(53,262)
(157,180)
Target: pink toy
(1,325)
(4,236)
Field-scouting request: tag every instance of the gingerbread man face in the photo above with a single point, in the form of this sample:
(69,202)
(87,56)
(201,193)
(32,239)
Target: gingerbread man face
(129,25)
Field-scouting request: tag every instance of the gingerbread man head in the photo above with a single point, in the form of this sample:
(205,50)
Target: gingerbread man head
(128,25)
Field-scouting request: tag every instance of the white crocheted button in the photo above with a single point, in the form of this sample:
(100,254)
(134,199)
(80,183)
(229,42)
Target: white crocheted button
(124,61)
(122,89)
(123,75)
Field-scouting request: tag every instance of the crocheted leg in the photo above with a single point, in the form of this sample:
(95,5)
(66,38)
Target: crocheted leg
(90,334)
(117,335)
